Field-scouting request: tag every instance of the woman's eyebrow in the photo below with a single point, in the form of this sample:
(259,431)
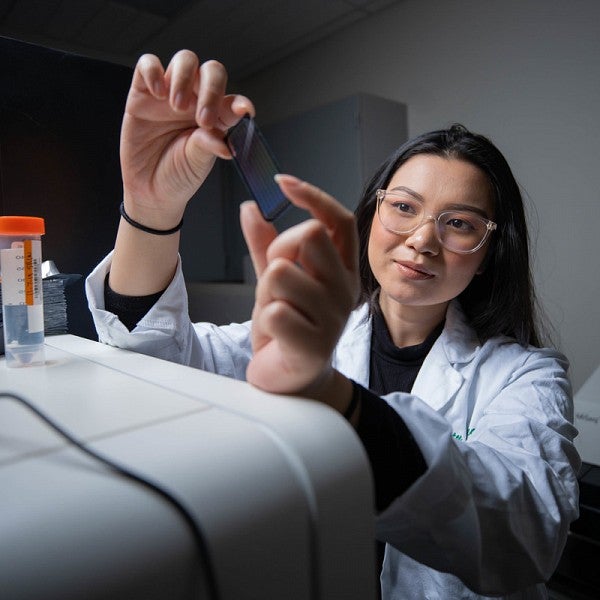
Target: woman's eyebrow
(406,190)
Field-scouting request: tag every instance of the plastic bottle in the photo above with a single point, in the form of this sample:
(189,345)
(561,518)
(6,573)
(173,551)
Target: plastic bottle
(22,295)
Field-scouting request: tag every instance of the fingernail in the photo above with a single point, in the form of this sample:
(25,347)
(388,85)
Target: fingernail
(207,117)
(180,101)
(159,89)
(288,180)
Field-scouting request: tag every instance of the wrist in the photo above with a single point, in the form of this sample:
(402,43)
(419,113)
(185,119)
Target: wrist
(334,389)
(150,217)
(146,228)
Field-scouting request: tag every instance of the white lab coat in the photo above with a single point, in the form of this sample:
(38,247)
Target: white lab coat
(493,422)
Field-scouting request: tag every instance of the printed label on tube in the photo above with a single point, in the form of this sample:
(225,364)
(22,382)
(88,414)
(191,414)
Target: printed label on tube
(21,273)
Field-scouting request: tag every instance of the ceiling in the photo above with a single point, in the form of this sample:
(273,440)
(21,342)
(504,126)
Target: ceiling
(246,35)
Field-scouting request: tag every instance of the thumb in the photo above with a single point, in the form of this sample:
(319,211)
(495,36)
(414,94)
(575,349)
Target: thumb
(258,234)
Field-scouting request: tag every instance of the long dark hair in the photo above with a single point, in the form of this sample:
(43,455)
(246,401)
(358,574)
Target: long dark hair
(500,300)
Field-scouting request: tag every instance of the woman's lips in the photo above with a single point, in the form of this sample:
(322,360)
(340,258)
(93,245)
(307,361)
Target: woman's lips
(414,272)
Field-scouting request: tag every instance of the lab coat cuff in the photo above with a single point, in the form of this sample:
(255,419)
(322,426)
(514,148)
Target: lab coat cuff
(160,329)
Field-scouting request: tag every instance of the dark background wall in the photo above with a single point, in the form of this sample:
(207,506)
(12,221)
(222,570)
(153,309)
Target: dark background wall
(60,117)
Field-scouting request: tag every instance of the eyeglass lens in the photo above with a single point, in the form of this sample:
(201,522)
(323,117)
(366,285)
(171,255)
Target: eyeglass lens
(460,231)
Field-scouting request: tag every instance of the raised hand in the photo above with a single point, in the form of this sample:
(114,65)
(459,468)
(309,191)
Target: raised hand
(307,285)
(173,128)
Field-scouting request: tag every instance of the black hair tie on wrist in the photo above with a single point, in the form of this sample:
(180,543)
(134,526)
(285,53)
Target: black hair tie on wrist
(148,229)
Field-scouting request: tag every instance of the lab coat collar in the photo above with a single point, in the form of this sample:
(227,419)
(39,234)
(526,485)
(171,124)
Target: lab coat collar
(352,354)
(440,376)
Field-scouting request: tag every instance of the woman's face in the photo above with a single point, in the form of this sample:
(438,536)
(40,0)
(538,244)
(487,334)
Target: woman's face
(415,269)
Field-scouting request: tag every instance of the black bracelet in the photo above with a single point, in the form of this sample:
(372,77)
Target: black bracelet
(148,229)
(349,413)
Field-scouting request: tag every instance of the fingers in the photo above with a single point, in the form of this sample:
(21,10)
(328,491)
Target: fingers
(195,89)
(305,285)
(295,326)
(310,246)
(339,220)
(258,234)
(149,76)
(213,82)
(182,78)
(285,282)
(308,286)
(299,339)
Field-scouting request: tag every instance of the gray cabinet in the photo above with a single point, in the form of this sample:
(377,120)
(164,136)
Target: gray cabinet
(340,145)
(337,146)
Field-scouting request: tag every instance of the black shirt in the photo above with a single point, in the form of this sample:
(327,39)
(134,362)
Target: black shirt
(395,458)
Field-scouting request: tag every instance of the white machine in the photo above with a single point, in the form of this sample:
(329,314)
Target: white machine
(587,419)
(280,487)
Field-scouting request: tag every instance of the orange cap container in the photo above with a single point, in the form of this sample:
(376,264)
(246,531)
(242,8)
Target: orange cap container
(22,226)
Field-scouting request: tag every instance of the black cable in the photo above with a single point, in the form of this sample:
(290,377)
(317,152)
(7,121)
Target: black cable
(194,526)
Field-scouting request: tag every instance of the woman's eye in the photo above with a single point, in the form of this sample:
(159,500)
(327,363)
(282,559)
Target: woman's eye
(460,224)
(403,207)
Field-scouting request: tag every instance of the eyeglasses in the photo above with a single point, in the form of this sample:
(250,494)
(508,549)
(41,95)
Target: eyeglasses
(459,231)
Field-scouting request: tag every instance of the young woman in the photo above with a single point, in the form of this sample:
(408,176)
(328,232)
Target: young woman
(465,418)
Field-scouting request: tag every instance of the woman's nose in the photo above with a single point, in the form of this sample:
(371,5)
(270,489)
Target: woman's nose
(424,238)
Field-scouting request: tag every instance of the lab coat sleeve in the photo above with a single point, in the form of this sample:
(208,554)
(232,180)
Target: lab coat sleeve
(166,330)
(493,509)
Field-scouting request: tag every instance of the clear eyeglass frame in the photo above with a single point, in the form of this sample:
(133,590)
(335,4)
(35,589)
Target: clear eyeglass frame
(489,224)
